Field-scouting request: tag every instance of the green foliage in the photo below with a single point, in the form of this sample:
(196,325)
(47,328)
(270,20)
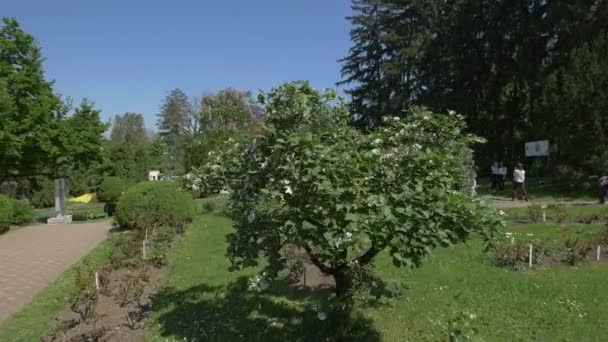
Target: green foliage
(162,237)
(461,327)
(6,213)
(576,250)
(460,55)
(29,110)
(512,250)
(173,125)
(23,213)
(535,213)
(85,300)
(87,215)
(217,205)
(127,161)
(128,128)
(229,109)
(311,180)
(155,204)
(44,197)
(110,189)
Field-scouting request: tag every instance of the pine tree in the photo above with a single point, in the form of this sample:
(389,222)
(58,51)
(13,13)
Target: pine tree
(173,124)
(363,67)
(29,110)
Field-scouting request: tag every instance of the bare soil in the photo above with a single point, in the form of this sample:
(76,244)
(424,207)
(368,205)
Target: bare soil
(113,318)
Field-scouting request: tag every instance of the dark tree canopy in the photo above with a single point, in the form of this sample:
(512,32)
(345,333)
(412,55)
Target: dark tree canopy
(497,62)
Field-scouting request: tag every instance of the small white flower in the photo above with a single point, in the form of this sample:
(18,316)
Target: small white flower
(396,118)
(251,217)
(322,316)
(286,181)
(378,141)
(502,213)
(451,112)
(288,190)
(426,117)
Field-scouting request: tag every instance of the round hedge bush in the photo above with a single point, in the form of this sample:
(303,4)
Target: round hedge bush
(6,213)
(155,204)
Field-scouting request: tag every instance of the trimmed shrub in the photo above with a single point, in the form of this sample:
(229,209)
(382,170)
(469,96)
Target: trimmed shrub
(110,190)
(155,204)
(6,213)
(23,213)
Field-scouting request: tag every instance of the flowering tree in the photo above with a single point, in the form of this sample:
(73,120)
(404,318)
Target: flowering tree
(312,181)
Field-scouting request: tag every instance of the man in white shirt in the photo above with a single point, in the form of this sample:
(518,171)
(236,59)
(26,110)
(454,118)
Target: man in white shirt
(519,180)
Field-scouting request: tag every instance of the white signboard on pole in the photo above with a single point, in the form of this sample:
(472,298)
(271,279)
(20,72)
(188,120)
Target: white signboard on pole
(537,148)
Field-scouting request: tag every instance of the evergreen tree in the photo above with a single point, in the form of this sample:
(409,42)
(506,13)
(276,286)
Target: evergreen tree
(173,124)
(29,110)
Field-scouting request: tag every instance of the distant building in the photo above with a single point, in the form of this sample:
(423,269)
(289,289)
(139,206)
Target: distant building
(154,175)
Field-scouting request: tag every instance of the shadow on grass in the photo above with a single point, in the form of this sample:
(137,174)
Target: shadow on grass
(234,313)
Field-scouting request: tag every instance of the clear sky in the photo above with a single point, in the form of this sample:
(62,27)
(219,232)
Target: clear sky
(125,55)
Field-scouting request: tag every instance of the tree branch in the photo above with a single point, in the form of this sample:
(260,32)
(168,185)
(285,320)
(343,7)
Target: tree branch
(324,268)
(369,255)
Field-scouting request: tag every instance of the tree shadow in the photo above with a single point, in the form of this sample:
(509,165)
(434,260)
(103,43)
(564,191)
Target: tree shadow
(234,313)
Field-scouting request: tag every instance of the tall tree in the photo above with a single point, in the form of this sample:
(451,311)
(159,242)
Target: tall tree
(29,110)
(489,60)
(229,109)
(128,128)
(173,124)
(364,64)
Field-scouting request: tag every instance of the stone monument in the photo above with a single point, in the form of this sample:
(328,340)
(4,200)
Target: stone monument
(60,199)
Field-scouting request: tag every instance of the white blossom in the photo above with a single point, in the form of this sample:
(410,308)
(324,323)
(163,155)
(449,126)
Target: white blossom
(378,141)
(288,190)
(251,217)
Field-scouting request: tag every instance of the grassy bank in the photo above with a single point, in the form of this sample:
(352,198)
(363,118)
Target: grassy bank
(203,301)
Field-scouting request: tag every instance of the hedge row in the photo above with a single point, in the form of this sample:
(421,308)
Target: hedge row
(14,212)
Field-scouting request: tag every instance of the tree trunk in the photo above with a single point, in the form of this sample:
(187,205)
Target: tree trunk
(341,313)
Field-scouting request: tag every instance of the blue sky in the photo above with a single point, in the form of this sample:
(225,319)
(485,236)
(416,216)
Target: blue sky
(125,55)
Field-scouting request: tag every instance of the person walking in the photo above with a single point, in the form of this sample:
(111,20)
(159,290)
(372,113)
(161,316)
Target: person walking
(519,180)
(603,188)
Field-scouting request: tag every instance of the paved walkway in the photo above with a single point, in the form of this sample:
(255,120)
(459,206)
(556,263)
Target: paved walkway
(32,257)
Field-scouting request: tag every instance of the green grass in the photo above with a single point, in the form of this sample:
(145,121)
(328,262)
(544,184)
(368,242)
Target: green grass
(573,213)
(543,190)
(37,318)
(203,300)
(95,209)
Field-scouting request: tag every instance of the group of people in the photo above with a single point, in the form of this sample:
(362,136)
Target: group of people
(499,175)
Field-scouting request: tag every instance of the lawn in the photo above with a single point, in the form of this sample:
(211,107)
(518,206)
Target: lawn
(203,301)
(37,318)
(80,212)
(545,190)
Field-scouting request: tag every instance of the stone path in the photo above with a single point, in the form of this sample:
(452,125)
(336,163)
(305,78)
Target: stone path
(32,257)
